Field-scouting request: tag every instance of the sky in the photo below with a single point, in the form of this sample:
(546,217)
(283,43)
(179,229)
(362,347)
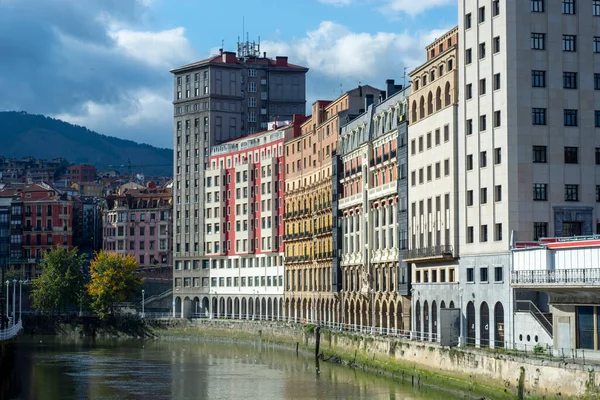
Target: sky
(104,64)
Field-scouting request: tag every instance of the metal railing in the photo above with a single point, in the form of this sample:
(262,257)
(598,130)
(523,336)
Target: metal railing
(11,332)
(434,251)
(529,306)
(556,276)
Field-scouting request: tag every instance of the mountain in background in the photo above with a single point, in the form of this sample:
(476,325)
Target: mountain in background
(24,135)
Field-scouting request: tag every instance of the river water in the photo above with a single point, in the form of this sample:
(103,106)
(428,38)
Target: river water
(51,368)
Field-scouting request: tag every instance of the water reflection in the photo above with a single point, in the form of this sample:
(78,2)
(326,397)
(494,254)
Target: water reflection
(59,368)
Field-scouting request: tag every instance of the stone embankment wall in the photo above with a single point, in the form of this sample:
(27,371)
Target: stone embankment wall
(492,372)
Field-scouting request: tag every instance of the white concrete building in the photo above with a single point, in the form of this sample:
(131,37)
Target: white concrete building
(528,142)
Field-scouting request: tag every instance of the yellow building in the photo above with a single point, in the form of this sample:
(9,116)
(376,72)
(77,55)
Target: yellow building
(311,290)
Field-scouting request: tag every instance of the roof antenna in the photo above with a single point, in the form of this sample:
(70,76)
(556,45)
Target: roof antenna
(404,81)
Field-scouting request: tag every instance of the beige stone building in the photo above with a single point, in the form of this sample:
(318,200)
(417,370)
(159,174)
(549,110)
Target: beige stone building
(433,184)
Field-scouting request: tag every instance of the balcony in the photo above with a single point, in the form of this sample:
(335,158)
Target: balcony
(350,200)
(575,278)
(429,253)
(383,190)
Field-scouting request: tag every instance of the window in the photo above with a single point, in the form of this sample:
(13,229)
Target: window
(538,41)
(469,197)
(483,196)
(251,87)
(497,83)
(420,144)
(446,133)
(540,230)
(483,159)
(538,78)
(596,44)
(571,155)
(597,193)
(428,140)
(496,8)
(596,81)
(570,117)
(497,155)
(537,5)
(540,191)
(470,275)
(482,123)
(596,8)
(481,14)
(498,193)
(538,116)
(468,56)
(498,232)
(446,167)
(483,274)
(482,87)
(470,238)
(597,118)
(569,43)
(570,80)
(437,137)
(483,234)
(481,50)
(539,154)
(469,91)
(469,127)
(568,6)
(498,273)
(469,162)
(468,21)
(497,119)
(496,44)
(571,192)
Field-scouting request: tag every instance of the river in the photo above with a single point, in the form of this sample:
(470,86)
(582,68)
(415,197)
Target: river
(49,368)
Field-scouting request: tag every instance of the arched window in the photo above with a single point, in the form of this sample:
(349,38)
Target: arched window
(429,103)
(447,96)
(441,69)
(432,75)
(438,99)
(413,118)
(422,108)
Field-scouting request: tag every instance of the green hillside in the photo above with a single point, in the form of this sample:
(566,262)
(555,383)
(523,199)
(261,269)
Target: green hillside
(23,135)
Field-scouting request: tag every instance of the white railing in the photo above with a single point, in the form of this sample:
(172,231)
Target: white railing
(383,190)
(350,200)
(11,332)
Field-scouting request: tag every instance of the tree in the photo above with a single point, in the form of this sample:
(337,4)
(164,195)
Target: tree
(114,278)
(61,282)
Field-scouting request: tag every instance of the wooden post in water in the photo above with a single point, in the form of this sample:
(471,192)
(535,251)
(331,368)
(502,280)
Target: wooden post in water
(317,341)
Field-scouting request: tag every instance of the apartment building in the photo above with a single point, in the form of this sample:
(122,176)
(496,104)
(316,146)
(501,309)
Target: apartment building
(371,209)
(433,188)
(313,277)
(241,274)
(216,100)
(139,222)
(528,149)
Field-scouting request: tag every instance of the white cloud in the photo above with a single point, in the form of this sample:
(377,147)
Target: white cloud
(412,7)
(160,49)
(335,51)
(336,2)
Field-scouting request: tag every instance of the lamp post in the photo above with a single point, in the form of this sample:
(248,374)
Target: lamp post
(14,299)
(7,291)
(20,299)
(372,311)
(412,312)
(461,337)
(143,303)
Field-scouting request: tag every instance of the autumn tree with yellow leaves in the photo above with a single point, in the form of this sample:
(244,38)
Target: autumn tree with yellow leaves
(113,278)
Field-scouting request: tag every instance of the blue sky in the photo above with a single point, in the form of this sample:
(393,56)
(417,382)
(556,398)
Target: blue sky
(104,63)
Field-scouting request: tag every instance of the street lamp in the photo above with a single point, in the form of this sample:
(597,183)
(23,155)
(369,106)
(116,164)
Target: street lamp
(14,298)
(20,299)
(372,311)
(7,291)
(143,302)
(461,338)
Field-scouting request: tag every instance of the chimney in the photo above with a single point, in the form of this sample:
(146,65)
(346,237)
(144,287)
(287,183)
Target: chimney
(382,96)
(264,54)
(390,88)
(281,61)
(229,57)
(368,101)
(220,52)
